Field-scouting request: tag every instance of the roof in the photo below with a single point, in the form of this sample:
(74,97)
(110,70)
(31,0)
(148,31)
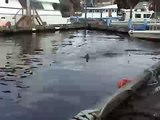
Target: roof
(142,5)
(105,7)
(50,1)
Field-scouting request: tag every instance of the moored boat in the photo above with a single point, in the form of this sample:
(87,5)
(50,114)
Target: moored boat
(100,12)
(141,14)
(145,34)
(152,33)
(47,10)
(96,13)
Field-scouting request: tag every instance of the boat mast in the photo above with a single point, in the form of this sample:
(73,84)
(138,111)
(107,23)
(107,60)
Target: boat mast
(155,11)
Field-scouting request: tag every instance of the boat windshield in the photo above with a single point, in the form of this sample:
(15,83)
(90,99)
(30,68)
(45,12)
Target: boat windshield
(152,15)
(123,16)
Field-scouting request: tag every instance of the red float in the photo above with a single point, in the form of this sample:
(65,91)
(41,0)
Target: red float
(123,82)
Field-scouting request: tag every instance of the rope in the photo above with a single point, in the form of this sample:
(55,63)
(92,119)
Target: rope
(153,80)
(86,115)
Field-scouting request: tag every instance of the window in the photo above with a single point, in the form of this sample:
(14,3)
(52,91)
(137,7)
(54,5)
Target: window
(137,15)
(90,11)
(7,1)
(93,11)
(3,18)
(146,15)
(97,11)
(36,5)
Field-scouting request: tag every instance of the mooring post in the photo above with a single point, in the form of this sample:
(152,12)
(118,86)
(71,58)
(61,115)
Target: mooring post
(101,11)
(130,20)
(131,12)
(28,12)
(86,11)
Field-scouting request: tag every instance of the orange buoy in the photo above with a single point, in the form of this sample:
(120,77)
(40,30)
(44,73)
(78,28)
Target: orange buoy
(123,82)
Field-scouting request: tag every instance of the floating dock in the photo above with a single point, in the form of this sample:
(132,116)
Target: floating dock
(92,25)
(53,28)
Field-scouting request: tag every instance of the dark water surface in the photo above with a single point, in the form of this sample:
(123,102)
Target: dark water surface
(64,83)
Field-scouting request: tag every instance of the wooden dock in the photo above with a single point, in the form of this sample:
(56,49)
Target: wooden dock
(10,31)
(41,29)
(96,25)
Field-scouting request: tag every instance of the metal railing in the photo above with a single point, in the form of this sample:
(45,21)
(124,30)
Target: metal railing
(15,16)
(33,16)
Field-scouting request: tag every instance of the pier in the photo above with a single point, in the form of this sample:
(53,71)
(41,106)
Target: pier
(91,25)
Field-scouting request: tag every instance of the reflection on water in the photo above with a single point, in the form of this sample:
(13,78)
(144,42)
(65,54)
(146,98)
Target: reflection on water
(52,75)
(27,44)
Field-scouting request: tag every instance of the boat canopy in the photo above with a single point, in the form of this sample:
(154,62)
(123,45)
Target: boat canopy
(48,1)
(104,7)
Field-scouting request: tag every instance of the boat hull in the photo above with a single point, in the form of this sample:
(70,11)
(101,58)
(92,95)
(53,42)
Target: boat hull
(146,34)
(12,12)
(50,17)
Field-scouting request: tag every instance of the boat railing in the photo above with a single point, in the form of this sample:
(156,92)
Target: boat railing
(154,24)
(37,17)
(22,18)
(15,16)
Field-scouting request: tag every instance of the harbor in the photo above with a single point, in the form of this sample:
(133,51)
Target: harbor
(28,18)
(79,60)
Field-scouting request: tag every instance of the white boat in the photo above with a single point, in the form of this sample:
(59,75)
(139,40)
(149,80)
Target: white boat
(92,13)
(12,10)
(145,34)
(101,12)
(153,33)
(139,15)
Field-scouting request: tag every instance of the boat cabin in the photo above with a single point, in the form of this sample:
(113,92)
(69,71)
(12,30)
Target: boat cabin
(101,12)
(137,15)
(47,10)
